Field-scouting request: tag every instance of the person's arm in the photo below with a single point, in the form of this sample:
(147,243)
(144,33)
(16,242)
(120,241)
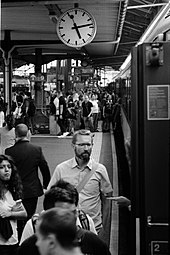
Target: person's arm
(26,105)
(44,169)
(18,212)
(121,201)
(91,111)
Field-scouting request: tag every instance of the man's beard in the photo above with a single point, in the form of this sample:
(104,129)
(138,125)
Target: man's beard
(85,156)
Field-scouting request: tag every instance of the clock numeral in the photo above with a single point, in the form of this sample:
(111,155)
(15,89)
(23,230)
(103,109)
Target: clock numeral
(83,40)
(89,19)
(68,41)
(63,35)
(76,42)
(63,20)
(75,11)
(60,27)
(83,13)
(89,34)
(91,27)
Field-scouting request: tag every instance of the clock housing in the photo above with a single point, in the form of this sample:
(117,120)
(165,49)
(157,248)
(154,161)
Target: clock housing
(76,27)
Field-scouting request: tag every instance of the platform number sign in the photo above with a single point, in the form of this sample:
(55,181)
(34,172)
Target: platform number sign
(159,248)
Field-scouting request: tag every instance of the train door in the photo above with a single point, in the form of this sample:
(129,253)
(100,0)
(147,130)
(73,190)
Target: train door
(151,147)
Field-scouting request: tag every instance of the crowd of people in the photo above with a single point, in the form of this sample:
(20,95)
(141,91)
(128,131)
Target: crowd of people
(73,110)
(71,221)
(83,109)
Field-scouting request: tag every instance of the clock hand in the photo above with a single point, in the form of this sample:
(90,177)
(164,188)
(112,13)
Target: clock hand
(75,26)
(85,25)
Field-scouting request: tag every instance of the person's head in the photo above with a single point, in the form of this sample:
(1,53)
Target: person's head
(9,119)
(86,98)
(9,177)
(63,194)
(82,143)
(56,231)
(21,131)
(93,97)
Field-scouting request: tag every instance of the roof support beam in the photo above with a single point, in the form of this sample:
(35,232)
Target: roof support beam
(145,6)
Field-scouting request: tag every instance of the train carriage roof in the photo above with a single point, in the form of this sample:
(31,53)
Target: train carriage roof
(30,25)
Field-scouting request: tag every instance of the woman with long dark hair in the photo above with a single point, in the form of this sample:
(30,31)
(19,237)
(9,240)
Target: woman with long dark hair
(11,207)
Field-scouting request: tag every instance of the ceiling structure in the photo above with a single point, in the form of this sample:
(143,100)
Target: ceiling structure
(30,25)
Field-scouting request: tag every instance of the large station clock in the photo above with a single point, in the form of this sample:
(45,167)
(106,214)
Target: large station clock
(76,27)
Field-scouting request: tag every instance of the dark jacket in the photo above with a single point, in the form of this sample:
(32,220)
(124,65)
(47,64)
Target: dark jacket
(28,159)
(90,244)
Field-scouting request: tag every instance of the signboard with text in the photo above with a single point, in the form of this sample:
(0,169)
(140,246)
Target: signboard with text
(158,102)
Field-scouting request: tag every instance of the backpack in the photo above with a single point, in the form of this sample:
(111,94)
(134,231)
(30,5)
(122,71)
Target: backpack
(81,214)
(31,108)
(83,220)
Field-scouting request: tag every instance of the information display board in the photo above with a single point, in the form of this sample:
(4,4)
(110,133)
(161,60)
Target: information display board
(158,102)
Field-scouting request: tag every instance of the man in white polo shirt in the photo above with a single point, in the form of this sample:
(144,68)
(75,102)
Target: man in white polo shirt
(89,177)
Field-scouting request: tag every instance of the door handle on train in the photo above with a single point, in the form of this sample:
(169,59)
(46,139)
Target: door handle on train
(150,224)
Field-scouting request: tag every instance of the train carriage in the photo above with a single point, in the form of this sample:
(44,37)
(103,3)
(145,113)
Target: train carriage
(144,87)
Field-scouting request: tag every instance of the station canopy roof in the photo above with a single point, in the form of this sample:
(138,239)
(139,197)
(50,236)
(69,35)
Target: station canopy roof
(28,26)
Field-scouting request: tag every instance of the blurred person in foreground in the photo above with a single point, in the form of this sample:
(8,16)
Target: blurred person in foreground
(11,207)
(63,195)
(56,233)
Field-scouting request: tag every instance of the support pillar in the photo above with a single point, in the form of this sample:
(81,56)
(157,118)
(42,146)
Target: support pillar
(66,74)
(7,47)
(7,81)
(38,83)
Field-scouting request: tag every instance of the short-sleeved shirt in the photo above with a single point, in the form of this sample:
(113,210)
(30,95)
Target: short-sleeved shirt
(7,203)
(87,106)
(89,196)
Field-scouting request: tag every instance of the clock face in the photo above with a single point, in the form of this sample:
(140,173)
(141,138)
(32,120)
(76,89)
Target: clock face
(76,27)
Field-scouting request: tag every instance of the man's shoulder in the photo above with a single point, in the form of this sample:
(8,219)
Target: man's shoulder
(91,242)
(87,235)
(97,165)
(29,242)
(68,163)
(25,144)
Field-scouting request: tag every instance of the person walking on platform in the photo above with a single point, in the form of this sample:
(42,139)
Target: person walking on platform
(29,158)
(87,109)
(107,114)
(95,112)
(62,113)
(7,134)
(89,177)
(11,207)
(30,110)
(64,195)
